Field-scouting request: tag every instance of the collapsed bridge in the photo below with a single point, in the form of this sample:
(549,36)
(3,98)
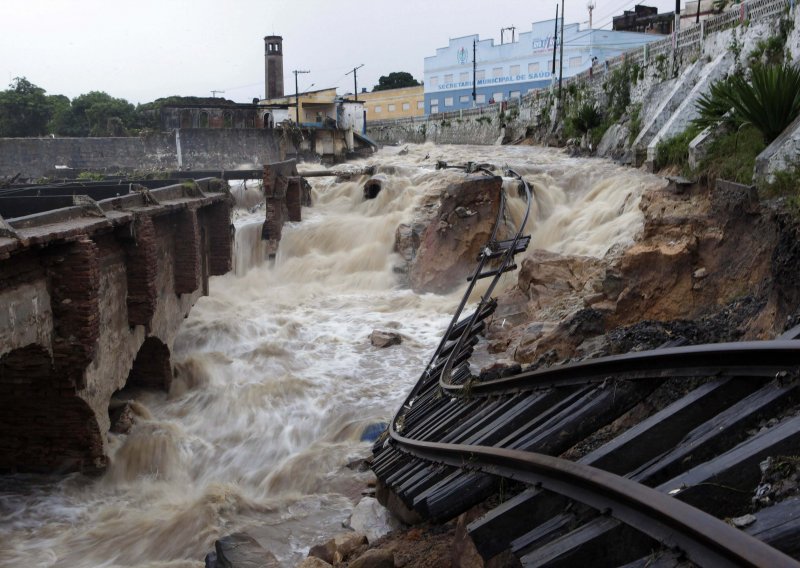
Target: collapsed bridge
(95,280)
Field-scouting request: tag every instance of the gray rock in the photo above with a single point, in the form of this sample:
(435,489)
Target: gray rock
(372,519)
(382,339)
(240,550)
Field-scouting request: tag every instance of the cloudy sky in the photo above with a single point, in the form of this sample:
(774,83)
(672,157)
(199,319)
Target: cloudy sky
(145,49)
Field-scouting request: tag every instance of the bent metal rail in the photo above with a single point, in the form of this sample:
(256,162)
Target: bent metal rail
(452,421)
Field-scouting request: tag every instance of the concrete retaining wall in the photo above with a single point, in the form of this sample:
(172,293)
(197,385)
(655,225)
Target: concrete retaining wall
(187,148)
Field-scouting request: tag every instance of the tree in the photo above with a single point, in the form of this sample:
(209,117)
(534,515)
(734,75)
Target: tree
(99,114)
(395,80)
(24,110)
(60,113)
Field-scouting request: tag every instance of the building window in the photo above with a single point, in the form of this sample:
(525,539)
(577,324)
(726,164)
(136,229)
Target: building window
(533,67)
(480,75)
(434,101)
(378,109)
(448,101)
(497,72)
(480,99)
(435,81)
(497,97)
(406,106)
(463,99)
(575,61)
(421,105)
(392,108)
(434,109)
(448,78)
(514,95)
(203,120)
(463,77)
(513,70)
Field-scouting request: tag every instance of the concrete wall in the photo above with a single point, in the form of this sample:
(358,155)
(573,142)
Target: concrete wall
(189,149)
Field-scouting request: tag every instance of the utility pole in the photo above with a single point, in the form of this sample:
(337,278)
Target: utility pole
(677,15)
(214,93)
(591,7)
(355,79)
(561,57)
(297,95)
(474,71)
(555,43)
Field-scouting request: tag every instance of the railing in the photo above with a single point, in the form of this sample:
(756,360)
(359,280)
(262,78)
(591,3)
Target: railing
(690,38)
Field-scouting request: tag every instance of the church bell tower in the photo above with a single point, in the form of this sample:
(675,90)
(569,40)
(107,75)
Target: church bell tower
(273,66)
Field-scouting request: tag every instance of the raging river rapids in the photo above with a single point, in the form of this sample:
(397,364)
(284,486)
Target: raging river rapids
(276,378)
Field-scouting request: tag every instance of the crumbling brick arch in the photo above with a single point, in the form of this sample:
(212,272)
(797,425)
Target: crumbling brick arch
(152,368)
(44,425)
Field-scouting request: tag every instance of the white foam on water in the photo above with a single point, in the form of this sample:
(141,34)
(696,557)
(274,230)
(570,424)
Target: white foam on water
(276,377)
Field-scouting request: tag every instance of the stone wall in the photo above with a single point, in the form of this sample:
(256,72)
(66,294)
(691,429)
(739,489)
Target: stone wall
(660,72)
(195,149)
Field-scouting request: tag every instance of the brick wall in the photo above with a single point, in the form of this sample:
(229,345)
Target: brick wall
(187,252)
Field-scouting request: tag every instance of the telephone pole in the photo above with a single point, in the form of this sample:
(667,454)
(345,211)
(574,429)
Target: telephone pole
(474,71)
(297,95)
(355,79)
(214,93)
(561,58)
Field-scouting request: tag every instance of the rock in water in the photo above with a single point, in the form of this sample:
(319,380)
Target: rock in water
(454,237)
(372,519)
(240,550)
(380,338)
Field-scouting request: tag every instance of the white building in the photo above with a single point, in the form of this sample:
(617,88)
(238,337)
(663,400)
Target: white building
(512,69)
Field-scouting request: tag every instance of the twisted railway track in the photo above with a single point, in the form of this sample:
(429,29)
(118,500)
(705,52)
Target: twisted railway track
(655,494)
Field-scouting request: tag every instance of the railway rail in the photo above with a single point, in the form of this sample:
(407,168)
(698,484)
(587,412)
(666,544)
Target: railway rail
(654,494)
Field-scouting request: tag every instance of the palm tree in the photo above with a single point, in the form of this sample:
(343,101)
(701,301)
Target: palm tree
(770,101)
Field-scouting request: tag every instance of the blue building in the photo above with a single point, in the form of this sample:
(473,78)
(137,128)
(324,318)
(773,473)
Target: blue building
(512,69)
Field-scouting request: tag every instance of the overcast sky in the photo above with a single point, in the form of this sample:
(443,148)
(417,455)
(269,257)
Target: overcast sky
(141,50)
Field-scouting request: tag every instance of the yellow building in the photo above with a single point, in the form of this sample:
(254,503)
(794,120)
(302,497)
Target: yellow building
(394,103)
(314,106)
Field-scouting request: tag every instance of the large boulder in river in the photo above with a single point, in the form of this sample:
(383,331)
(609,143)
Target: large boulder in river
(451,242)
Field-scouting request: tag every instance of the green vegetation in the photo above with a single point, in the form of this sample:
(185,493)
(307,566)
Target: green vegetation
(90,176)
(635,125)
(675,151)
(769,102)
(785,184)
(24,110)
(395,80)
(585,118)
(618,89)
(731,156)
